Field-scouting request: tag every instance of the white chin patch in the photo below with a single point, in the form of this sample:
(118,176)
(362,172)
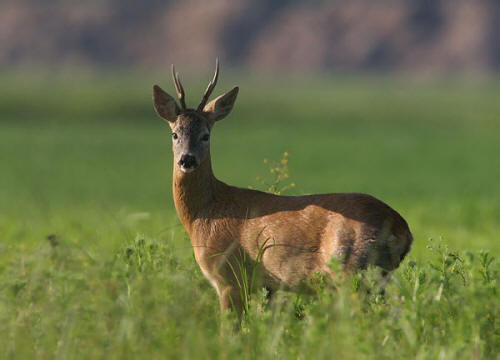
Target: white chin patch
(187,170)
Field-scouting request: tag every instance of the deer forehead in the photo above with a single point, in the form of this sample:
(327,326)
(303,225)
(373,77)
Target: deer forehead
(191,123)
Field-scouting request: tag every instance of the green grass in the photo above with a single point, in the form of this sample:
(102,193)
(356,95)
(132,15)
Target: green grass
(85,158)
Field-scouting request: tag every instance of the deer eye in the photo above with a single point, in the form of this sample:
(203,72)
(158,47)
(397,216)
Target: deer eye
(174,136)
(205,137)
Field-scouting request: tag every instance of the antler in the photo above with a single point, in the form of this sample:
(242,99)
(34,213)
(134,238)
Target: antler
(210,87)
(178,87)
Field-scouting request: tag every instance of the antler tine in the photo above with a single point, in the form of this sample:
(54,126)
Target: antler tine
(178,87)
(210,87)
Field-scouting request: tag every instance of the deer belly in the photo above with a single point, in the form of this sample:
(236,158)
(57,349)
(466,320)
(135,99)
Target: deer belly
(287,252)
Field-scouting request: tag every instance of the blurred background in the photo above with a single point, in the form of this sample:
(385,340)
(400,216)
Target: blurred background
(429,36)
(395,98)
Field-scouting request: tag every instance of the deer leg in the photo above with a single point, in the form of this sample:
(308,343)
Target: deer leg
(385,276)
(230,299)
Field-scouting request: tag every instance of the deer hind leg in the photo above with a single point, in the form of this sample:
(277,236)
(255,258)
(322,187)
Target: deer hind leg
(391,252)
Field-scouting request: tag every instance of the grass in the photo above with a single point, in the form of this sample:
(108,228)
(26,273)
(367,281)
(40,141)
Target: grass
(90,163)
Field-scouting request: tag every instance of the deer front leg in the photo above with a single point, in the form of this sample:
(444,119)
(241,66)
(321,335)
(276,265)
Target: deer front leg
(229,294)
(230,299)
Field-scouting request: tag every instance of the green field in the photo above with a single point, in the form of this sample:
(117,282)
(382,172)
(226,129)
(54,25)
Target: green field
(85,158)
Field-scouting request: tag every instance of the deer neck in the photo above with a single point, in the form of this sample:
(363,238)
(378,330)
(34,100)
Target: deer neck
(193,192)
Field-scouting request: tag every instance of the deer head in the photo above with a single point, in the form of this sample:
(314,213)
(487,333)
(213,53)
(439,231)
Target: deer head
(191,127)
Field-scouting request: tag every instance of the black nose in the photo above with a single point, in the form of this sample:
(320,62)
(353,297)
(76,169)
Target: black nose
(187,161)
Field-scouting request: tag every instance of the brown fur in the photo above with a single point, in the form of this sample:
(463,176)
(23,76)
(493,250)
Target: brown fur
(299,234)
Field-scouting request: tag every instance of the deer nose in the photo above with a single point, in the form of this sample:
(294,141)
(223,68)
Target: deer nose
(188,161)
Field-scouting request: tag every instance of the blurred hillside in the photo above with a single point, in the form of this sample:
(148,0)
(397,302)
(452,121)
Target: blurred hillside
(426,36)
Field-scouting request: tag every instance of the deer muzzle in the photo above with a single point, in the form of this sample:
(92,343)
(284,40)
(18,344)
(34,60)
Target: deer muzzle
(188,163)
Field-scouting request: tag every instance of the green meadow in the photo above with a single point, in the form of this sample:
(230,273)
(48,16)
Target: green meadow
(95,264)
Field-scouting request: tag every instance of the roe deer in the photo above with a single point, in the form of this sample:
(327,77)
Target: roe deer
(300,234)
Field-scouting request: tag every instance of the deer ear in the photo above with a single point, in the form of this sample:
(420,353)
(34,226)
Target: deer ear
(220,107)
(165,104)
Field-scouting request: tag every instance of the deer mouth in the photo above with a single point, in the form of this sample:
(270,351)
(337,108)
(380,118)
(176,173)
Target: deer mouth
(187,170)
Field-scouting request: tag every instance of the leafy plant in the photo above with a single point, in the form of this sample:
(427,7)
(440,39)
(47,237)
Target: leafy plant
(280,176)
